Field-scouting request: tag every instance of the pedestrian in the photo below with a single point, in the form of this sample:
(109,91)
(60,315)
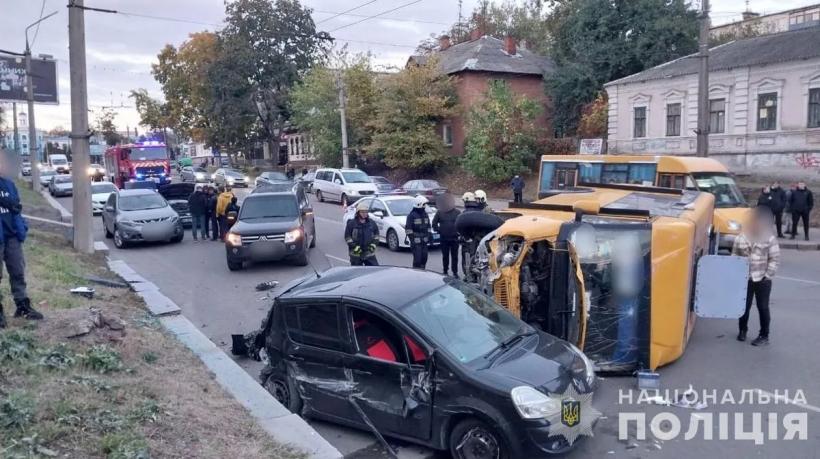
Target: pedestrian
(417,228)
(517,185)
(470,204)
(291,173)
(222,201)
(361,235)
(778,206)
(481,200)
(197,204)
(765,198)
(760,246)
(214,220)
(12,236)
(444,223)
(801,202)
(232,212)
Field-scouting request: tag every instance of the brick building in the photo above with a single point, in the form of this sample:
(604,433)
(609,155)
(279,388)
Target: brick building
(475,63)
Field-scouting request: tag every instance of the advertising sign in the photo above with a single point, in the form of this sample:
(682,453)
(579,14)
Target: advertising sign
(591,146)
(13,80)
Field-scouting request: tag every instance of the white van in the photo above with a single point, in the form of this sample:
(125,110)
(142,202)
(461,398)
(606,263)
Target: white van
(343,185)
(59,163)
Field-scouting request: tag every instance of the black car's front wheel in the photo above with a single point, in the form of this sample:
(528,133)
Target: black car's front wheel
(285,392)
(473,439)
(119,242)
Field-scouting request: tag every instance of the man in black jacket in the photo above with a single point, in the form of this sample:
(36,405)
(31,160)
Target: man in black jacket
(444,223)
(517,185)
(778,204)
(361,235)
(197,203)
(212,218)
(417,228)
(801,202)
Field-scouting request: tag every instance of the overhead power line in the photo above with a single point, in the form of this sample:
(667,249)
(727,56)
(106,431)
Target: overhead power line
(355,15)
(376,15)
(347,11)
(37,31)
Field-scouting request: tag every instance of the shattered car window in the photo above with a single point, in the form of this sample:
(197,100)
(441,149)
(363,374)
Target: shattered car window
(481,324)
(314,325)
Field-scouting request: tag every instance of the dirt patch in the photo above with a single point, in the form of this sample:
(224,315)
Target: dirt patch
(125,389)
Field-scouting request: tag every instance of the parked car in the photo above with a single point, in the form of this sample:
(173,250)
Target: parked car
(26,168)
(342,185)
(271,227)
(140,215)
(100,191)
(307,179)
(177,196)
(390,214)
(96,172)
(430,189)
(61,185)
(271,177)
(385,186)
(45,176)
(425,358)
(194,174)
(141,185)
(230,177)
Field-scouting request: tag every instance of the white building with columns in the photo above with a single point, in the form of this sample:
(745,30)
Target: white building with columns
(764,105)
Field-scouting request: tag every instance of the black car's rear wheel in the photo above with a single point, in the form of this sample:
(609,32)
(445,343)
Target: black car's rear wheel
(285,392)
(234,265)
(473,439)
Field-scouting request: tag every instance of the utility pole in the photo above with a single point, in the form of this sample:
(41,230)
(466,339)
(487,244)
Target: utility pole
(34,156)
(16,132)
(80,149)
(703,82)
(340,85)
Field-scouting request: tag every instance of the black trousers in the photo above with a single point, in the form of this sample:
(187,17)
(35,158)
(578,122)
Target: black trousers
(12,252)
(759,291)
(420,252)
(214,227)
(517,196)
(778,222)
(359,261)
(449,256)
(207,225)
(796,218)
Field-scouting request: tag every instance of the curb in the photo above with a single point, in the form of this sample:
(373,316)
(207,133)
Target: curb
(65,215)
(282,425)
(808,246)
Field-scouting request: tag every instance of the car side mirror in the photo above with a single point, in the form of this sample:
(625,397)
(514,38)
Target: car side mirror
(337,182)
(379,214)
(109,208)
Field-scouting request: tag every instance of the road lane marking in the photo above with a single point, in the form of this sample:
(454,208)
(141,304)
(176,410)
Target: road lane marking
(790,402)
(325,219)
(795,279)
(337,258)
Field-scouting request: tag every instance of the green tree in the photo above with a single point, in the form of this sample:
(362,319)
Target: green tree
(594,118)
(596,41)
(404,130)
(105,125)
(315,106)
(153,113)
(503,136)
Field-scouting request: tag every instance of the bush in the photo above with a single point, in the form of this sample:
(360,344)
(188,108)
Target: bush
(102,359)
(16,411)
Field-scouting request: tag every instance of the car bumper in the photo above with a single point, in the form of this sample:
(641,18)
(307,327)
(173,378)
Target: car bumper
(238,184)
(536,442)
(264,251)
(151,232)
(63,192)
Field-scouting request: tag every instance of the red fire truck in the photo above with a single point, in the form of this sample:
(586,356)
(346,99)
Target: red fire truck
(146,161)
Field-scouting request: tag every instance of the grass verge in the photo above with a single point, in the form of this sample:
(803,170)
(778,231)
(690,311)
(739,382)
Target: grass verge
(132,393)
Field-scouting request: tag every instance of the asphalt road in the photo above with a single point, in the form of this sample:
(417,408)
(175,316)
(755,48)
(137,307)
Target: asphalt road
(221,302)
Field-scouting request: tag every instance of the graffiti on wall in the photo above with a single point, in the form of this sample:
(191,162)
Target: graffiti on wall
(807,160)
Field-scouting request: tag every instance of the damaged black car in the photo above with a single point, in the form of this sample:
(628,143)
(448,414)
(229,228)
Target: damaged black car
(421,357)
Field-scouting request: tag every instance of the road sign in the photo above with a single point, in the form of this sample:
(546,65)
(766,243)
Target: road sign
(13,80)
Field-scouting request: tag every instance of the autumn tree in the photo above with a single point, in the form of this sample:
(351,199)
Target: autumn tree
(594,118)
(315,106)
(58,131)
(405,127)
(502,138)
(104,121)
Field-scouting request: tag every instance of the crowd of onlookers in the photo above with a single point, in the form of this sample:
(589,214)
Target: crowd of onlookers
(796,203)
(213,211)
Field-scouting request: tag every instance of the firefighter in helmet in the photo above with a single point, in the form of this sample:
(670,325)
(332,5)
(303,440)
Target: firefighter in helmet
(418,230)
(361,235)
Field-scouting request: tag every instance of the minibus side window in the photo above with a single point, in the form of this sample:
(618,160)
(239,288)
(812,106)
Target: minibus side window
(677,181)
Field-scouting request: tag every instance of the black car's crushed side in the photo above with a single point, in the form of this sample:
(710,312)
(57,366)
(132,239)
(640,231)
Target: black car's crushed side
(426,394)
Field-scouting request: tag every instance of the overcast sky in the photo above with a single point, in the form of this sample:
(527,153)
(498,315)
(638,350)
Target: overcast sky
(121,47)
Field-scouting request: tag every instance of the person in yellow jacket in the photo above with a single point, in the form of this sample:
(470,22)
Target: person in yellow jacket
(222,202)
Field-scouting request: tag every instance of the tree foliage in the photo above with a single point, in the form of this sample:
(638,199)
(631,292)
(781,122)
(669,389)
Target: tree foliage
(404,130)
(315,105)
(104,121)
(594,118)
(502,138)
(153,113)
(596,41)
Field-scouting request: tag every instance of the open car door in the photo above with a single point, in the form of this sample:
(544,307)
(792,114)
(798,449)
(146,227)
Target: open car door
(568,300)
(720,287)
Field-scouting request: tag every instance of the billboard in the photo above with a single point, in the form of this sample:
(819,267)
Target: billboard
(13,80)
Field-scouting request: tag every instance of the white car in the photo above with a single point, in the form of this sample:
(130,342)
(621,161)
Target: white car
(45,176)
(390,214)
(26,168)
(343,185)
(100,191)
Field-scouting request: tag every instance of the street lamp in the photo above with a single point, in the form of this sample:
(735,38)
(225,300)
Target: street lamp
(34,155)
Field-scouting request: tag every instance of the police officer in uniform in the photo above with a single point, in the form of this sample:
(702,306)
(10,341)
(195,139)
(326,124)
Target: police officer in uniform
(361,235)
(417,228)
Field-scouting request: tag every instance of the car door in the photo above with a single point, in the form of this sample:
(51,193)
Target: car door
(336,185)
(390,371)
(109,212)
(316,357)
(381,222)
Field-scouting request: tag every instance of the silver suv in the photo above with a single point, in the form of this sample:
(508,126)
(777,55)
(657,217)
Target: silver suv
(140,216)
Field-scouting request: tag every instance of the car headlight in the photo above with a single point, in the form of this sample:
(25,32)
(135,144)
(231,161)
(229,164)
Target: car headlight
(734,225)
(199,175)
(532,404)
(174,219)
(247,179)
(583,365)
(230,179)
(91,171)
(233,239)
(127,223)
(351,192)
(293,235)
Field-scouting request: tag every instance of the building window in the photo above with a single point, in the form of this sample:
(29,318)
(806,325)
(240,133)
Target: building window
(767,112)
(640,122)
(814,108)
(447,134)
(717,116)
(672,119)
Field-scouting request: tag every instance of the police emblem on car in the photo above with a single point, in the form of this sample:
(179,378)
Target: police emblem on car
(570,412)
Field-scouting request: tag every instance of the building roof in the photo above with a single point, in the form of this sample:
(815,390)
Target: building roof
(794,45)
(487,54)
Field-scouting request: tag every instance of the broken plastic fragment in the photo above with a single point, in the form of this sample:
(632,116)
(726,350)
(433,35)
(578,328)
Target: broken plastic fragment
(87,292)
